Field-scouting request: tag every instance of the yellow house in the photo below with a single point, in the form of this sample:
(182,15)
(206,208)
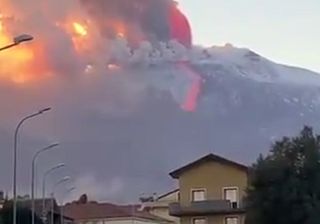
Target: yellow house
(160,206)
(211,191)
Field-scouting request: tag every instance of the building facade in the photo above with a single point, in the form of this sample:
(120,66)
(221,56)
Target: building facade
(159,206)
(212,190)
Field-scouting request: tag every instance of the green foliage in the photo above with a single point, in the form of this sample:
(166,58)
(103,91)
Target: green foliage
(23,215)
(284,187)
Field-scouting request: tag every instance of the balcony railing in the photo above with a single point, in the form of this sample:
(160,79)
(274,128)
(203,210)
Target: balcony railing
(204,208)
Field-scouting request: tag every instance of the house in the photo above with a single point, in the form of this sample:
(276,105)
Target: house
(159,206)
(212,190)
(90,212)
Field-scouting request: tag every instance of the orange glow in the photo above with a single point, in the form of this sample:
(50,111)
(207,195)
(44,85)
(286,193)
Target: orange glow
(120,29)
(16,63)
(80,29)
(79,34)
(113,67)
(121,35)
(191,101)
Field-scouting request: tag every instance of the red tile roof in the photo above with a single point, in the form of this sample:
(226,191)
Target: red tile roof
(94,210)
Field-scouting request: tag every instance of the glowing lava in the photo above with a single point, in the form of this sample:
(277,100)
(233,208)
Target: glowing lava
(79,33)
(191,99)
(80,29)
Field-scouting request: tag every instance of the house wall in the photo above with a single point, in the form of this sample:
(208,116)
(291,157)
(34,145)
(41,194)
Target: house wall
(163,212)
(219,219)
(115,221)
(160,207)
(129,222)
(213,177)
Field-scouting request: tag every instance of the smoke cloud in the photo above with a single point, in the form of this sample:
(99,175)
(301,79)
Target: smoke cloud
(107,91)
(145,19)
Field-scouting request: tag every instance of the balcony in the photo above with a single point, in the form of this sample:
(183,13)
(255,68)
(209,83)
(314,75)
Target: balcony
(204,208)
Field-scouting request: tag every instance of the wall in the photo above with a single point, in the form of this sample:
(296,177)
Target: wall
(161,206)
(116,221)
(163,212)
(213,219)
(214,177)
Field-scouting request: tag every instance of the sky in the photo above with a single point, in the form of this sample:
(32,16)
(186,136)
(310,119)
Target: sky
(285,31)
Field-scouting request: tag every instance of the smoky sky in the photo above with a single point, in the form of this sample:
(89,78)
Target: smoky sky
(147,17)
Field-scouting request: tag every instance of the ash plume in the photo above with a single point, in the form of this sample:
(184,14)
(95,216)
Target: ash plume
(146,19)
(96,106)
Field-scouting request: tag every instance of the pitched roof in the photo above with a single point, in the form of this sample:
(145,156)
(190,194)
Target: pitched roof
(210,157)
(94,210)
(168,193)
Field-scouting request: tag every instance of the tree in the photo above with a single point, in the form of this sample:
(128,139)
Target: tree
(23,215)
(83,199)
(284,186)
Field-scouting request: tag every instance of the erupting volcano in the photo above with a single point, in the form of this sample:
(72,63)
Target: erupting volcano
(88,33)
(132,97)
(152,20)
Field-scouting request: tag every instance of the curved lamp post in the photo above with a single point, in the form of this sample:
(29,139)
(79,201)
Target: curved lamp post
(35,156)
(18,40)
(63,180)
(44,187)
(62,202)
(15,157)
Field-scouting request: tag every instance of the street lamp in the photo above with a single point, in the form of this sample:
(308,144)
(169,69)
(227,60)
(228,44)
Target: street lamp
(62,204)
(15,159)
(44,186)
(63,180)
(18,40)
(33,175)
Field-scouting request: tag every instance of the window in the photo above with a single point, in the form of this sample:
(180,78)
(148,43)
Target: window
(198,195)
(231,194)
(199,221)
(231,220)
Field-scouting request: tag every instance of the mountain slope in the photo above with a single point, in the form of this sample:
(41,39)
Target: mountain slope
(125,132)
(247,64)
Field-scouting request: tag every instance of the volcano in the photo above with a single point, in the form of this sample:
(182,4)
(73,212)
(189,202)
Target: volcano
(165,102)
(246,103)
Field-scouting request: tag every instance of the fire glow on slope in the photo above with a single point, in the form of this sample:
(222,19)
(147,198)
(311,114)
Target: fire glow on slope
(181,31)
(191,99)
